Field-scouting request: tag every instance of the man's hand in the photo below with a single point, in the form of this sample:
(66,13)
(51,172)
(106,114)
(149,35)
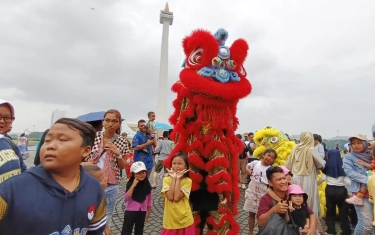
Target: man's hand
(281,207)
(249,171)
(149,142)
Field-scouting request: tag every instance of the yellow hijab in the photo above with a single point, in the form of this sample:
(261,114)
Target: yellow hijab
(301,159)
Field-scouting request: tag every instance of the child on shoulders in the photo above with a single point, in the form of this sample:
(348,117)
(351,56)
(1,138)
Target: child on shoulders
(258,184)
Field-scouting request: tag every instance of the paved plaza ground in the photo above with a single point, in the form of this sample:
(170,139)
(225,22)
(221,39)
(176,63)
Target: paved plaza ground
(154,225)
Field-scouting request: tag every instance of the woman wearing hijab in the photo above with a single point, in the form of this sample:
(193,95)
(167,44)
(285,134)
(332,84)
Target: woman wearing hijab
(303,162)
(336,193)
(358,176)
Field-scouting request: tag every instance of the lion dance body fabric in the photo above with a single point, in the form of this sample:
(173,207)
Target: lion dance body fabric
(211,83)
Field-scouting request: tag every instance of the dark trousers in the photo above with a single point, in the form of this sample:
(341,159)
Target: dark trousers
(134,219)
(335,196)
(353,215)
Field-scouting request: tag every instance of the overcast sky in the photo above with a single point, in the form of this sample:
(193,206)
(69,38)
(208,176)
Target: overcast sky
(311,63)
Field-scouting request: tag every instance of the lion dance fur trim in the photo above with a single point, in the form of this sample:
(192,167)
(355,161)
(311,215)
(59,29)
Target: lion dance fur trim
(211,83)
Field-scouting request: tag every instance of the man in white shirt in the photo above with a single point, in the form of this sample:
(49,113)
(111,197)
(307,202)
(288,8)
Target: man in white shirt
(318,146)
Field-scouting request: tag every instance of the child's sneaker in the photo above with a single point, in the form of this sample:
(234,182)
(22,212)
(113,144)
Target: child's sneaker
(355,201)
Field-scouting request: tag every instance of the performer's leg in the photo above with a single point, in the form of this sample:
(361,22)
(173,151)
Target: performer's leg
(199,222)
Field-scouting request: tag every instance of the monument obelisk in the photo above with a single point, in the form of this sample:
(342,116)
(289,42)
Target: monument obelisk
(166,19)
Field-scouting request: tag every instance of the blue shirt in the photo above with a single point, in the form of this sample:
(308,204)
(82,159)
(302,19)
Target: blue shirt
(143,155)
(355,172)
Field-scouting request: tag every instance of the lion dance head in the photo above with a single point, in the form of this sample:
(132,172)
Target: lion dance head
(270,137)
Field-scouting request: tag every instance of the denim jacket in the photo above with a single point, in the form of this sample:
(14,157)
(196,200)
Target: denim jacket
(356,173)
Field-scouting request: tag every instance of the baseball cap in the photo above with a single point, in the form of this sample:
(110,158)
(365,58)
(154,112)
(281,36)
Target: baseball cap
(245,134)
(138,167)
(358,136)
(10,106)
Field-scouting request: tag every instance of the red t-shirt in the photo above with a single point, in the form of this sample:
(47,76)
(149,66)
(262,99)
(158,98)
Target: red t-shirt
(266,203)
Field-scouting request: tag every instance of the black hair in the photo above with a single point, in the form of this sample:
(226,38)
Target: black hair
(304,203)
(149,113)
(316,137)
(140,121)
(37,153)
(373,150)
(271,151)
(22,135)
(239,136)
(86,131)
(250,133)
(91,169)
(271,170)
(165,134)
(185,158)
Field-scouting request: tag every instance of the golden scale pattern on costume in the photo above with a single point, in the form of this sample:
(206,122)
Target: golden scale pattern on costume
(217,217)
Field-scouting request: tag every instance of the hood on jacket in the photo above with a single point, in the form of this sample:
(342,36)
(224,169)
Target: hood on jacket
(50,184)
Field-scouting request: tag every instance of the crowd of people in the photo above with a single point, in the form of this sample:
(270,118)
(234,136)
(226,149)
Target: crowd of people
(78,171)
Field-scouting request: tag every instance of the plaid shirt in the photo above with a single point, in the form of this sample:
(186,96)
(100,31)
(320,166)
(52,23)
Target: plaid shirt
(122,145)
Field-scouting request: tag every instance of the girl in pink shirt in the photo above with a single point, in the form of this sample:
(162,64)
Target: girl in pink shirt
(139,200)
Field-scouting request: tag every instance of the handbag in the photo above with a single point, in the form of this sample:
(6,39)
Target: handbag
(277,225)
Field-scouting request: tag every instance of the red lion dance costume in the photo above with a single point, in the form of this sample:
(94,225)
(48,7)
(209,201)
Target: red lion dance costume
(211,83)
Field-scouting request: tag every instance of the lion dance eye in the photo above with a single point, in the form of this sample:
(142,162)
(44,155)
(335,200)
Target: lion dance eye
(274,139)
(196,57)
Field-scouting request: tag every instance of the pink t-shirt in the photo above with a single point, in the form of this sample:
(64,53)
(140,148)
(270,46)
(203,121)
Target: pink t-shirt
(136,206)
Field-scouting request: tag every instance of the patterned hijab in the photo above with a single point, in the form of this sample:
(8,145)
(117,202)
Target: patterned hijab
(365,155)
